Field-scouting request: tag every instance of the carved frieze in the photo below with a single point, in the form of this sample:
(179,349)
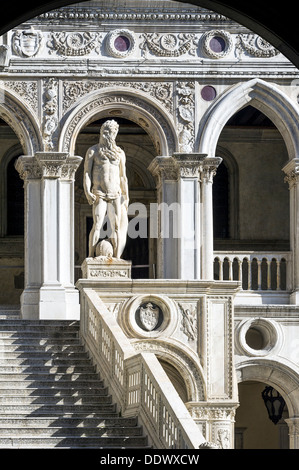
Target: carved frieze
(73,90)
(169,44)
(255,46)
(74,43)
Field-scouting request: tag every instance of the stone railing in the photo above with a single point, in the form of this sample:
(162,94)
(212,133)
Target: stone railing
(136,380)
(257,271)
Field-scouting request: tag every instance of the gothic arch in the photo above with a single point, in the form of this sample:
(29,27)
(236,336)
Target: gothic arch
(22,121)
(133,105)
(183,361)
(262,95)
(277,374)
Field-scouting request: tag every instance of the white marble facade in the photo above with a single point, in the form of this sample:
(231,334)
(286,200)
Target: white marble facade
(179,73)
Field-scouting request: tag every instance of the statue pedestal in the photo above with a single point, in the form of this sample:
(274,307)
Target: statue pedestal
(103,267)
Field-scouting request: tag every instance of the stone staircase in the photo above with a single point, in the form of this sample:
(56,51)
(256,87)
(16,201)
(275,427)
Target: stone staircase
(50,393)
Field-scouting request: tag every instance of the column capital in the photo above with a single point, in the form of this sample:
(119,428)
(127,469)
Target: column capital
(185,165)
(291,169)
(48,165)
(57,165)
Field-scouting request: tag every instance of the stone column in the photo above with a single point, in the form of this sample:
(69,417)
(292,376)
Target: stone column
(49,236)
(208,170)
(291,170)
(293,424)
(185,222)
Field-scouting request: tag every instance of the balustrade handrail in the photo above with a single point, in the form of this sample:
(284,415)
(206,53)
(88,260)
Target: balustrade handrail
(136,380)
(257,270)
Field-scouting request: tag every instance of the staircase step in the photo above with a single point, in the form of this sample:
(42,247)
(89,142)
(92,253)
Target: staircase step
(73,442)
(51,395)
(54,400)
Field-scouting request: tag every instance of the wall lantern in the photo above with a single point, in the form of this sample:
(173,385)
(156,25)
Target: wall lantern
(274,403)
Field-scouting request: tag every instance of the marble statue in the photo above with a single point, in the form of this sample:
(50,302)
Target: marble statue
(106,189)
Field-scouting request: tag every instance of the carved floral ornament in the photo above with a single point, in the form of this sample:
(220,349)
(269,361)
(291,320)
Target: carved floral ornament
(121,43)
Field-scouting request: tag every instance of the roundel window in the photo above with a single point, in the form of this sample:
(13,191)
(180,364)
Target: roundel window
(217,44)
(120,43)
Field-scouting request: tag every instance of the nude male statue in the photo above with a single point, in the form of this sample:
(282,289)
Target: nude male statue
(106,188)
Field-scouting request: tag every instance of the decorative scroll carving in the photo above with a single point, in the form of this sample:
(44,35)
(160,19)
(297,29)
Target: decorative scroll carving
(74,43)
(169,44)
(255,46)
(74,90)
(185,115)
(27,91)
(50,113)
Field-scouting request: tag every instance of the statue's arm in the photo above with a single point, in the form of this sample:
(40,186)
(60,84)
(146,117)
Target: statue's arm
(124,180)
(87,182)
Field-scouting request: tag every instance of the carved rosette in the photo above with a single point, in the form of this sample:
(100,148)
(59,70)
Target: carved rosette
(75,43)
(168,44)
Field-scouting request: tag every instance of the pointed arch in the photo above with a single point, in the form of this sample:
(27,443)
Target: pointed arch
(264,96)
(22,121)
(129,104)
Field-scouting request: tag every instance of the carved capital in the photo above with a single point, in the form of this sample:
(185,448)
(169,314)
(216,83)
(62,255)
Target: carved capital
(208,169)
(28,168)
(291,170)
(189,164)
(163,168)
(48,165)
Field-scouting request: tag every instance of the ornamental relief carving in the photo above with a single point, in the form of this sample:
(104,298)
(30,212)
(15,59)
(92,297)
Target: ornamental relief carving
(73,90)
(27,43)
(50,120)
(111,100)
(74,43)
(169,44)
(185,115)
(189,320)
(255,46)
(27,90)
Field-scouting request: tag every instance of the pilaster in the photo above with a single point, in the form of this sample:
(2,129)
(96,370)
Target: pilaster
(293,424)
(185,218)
(49,231)
(291,169)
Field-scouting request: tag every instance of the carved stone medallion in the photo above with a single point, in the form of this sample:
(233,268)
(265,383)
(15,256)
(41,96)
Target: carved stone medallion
(149,316)
(27,42)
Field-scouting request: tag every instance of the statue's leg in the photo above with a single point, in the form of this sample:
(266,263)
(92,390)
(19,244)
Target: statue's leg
(98,213)
(113,211)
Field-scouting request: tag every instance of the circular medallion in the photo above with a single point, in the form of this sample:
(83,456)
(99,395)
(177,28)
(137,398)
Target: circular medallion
(217,44)
(120,43)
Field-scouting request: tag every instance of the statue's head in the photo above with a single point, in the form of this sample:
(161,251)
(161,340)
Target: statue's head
(109,131)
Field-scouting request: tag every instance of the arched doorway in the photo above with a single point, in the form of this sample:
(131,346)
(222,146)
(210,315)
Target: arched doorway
(140,151)
(253,427)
